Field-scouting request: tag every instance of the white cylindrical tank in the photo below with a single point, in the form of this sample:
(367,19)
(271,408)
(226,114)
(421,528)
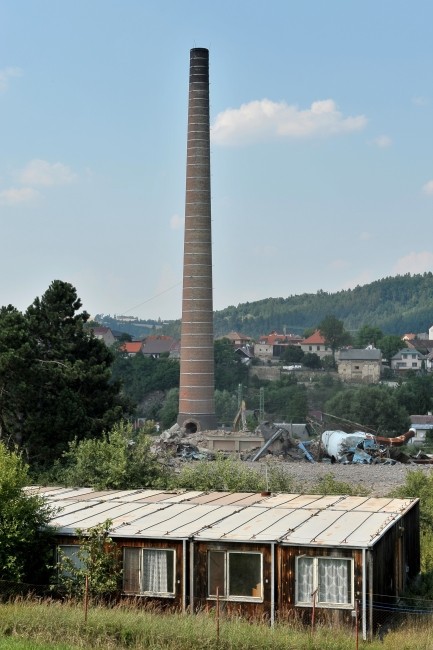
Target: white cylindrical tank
(337,443)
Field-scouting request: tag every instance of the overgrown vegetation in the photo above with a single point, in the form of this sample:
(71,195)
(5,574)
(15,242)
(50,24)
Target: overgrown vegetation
(94,566)
(120,628)
(121,459)
(24,538)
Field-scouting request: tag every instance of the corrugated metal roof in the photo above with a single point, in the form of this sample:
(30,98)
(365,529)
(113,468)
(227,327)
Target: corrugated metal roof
(291,519)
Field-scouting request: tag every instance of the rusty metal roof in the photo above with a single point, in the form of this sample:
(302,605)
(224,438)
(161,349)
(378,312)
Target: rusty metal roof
(290,519)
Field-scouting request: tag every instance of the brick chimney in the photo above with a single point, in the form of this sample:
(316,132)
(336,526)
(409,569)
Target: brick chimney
(197,384)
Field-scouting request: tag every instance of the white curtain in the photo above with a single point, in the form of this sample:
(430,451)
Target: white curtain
(155,575)
(305,579)
(334,581)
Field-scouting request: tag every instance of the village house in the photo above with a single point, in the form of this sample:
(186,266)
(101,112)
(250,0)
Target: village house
(237,340)
(258,555)
(104,334)
(316,343)
(131,348)
(156,345)
(408,359)
(423,425)
(273,345)
(360,366)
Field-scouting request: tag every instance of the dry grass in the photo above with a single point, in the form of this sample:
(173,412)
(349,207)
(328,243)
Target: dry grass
(28,625)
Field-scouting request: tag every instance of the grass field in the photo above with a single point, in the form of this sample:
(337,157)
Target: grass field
(54,626)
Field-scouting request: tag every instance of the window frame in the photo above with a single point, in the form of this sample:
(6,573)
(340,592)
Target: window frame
(227,596)
(140,550)
(315,559)
(77,563)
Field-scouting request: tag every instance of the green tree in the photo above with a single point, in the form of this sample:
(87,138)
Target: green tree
(334,333)
(24,518)
(390,345)
(416,394)
(226,406)
(229,368)
(292,354)
(170,409)
(142,376)
(368,335)
(373,407)
(97,559)
(55,376)
(287,400)
(311,360)
(121,459)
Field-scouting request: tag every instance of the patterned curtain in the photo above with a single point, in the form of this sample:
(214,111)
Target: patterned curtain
(334,581)
(305,579)
(155,578)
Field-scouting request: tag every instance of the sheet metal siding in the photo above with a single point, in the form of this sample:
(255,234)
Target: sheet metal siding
(246,609)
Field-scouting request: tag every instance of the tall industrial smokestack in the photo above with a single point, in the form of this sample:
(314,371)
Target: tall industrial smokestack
(196,392)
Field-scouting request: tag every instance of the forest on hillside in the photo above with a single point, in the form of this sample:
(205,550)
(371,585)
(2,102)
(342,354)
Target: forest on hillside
(395,305)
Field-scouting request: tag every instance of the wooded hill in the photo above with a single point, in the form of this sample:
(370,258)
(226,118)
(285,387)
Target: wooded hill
(395,304)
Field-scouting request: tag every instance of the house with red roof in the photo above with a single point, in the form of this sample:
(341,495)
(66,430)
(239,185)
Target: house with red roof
(316,343)
(131,348)
(273,345)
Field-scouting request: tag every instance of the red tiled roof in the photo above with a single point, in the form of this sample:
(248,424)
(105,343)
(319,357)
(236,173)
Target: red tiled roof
(316,338)
(132,347)
(286,339)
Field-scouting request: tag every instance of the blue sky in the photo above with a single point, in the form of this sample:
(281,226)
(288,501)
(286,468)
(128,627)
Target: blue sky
(322,147)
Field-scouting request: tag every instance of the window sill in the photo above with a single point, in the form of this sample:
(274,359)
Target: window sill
(326,605)
(237,599)
(148,594)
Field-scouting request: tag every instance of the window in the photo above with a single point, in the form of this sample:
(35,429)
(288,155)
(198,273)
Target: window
(234,575)
(149,571)
(68,555)
(328,578)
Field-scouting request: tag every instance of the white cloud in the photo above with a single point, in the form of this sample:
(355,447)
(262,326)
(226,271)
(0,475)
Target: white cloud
(383,141)
(414,263)
(6,74)
(365,236)
(428,188)
(17,195)
(265,119)
(176,222)
(42,173)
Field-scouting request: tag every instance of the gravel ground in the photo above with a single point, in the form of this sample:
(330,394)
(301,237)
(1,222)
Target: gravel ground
(378,479)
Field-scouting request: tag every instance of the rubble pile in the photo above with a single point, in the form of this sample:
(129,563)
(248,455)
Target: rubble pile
(175,444)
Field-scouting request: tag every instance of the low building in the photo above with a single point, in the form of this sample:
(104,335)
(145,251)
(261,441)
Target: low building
(423,425)
(360,366)
(256,555)
(316,344)
(408,359)
(155,346)
(131,348)
(272,346)
(104,334)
